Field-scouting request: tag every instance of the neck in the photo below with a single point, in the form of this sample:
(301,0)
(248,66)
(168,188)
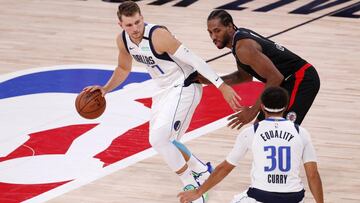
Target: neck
(138,40)
(230,43)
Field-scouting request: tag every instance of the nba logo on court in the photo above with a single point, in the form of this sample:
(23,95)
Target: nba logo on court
(47,149)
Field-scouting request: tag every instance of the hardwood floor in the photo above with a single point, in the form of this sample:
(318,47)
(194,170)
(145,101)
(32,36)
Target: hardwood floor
(46,33)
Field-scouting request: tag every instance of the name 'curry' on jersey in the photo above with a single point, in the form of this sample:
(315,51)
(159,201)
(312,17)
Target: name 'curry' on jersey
(163,68)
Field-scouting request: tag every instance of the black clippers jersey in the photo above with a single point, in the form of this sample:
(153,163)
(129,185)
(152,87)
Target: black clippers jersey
(284,60)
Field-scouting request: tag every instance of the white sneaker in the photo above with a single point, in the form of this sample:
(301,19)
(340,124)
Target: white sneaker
(202,199)
(202,176)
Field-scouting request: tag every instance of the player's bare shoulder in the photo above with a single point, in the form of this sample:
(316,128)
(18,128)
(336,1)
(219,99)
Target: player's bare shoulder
(161,35)
(161,30)
(164,40)
(247,50)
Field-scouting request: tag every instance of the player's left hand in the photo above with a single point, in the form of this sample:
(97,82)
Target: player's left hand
(242,118)
(231,97)
(188,196)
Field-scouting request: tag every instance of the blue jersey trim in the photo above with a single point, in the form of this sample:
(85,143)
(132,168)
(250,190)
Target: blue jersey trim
(256,125)
(297,127)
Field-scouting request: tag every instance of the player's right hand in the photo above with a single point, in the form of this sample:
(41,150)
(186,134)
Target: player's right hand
(95,87)
(232,98)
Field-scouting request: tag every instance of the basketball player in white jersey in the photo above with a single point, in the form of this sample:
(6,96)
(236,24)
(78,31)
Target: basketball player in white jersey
(278,146)
(173,67)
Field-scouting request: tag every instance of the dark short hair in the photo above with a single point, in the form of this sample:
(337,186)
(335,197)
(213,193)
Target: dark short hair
(275,98)
(224,16)
(128,8)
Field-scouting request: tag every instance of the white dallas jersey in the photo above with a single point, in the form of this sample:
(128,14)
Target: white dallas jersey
(164,69)
(279,147)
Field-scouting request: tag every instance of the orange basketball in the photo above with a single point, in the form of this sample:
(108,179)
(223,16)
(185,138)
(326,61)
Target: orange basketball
(90,105)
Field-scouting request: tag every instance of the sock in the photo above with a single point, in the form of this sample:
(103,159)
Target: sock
(182,147)
(196,165)
(187,178)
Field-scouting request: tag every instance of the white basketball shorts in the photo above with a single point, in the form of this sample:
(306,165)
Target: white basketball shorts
(174,108)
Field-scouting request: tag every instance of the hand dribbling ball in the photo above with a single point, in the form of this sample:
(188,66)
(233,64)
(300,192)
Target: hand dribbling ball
(90,105)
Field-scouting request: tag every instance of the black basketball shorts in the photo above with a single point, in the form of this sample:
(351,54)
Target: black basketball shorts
(302,87)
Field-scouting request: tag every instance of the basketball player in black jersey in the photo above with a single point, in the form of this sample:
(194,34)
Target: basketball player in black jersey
(267,61)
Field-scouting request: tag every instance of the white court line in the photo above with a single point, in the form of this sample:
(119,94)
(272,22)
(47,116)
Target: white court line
(33,151)
(115,166)
(122,164)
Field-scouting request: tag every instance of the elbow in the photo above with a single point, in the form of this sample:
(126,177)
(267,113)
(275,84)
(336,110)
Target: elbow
(220,167)
(125,69)
(225,167)
(242,78)
(279,79)
(314,178)
(276,80)
(248,79)
(313,175)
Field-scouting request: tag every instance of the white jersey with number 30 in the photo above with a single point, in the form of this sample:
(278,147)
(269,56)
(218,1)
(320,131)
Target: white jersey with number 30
(279,147)
(165,69)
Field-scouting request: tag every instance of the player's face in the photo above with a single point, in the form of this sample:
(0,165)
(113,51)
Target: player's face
(133,25)
(219,33)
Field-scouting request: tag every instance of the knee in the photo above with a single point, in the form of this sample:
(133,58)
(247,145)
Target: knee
(158,137)
(154,140)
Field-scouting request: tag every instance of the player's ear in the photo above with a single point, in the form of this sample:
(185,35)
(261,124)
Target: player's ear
(119,23)
(286,107)
(262,107)
(230,26)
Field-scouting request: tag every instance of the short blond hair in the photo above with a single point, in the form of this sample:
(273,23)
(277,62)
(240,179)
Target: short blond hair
(128,8)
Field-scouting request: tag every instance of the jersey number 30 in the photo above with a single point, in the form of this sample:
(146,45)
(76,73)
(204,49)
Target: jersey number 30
(280,157)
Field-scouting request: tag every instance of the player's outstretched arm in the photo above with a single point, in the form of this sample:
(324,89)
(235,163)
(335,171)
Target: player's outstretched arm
(220,172)
(314,181)
(120,73)
(249,52)
(164,42)
(240,148)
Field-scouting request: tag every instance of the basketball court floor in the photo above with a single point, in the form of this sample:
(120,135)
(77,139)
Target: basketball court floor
(50,50)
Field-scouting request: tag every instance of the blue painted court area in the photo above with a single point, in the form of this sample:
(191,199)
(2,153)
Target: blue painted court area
(62,81)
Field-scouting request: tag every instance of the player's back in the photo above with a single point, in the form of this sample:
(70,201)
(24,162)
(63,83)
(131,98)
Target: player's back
(277,148)
(284,60)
